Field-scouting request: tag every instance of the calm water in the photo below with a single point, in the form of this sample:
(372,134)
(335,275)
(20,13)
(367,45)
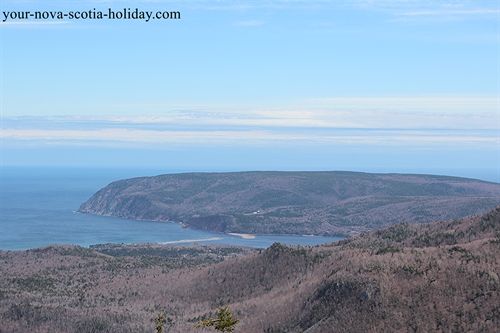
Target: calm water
(37,208)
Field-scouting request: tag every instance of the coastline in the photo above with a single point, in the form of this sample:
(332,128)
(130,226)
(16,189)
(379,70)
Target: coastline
(244,236)
(191,241)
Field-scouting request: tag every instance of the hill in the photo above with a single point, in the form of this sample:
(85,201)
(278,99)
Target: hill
(441,276)
(319,203)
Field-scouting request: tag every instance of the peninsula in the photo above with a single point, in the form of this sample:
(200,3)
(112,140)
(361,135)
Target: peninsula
(334,203)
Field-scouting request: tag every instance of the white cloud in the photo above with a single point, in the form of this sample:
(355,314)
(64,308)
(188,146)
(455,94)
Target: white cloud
(419,121)
(407,103)
(425,138)
(453,12)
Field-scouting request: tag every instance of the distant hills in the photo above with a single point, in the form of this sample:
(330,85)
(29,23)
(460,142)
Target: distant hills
(319,203)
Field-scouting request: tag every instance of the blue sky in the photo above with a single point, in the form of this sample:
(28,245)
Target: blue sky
(395,86)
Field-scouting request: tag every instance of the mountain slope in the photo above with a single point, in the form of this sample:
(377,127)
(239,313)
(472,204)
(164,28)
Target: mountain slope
(321,203)
(404,278)
(389,280)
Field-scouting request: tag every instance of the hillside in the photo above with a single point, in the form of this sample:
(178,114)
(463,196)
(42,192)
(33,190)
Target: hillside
(320,203)
(440,277)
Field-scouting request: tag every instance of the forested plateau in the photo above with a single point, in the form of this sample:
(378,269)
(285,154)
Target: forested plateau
(303,203)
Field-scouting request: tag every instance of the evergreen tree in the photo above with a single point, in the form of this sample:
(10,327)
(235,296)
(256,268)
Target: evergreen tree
(223,323)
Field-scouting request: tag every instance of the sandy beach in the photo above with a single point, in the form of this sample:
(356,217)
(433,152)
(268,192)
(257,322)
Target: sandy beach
(245,236)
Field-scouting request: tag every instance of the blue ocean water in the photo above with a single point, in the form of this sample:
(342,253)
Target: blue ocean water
(38,207)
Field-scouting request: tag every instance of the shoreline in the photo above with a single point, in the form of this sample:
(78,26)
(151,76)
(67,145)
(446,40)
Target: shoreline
(190,241)
(244,236)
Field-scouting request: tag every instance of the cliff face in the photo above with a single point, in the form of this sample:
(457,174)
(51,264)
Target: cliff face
(293,202)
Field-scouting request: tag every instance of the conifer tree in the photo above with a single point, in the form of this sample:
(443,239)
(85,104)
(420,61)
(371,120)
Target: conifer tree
(223,323)
(159,323)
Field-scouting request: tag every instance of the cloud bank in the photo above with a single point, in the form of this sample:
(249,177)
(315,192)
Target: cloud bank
(455,125)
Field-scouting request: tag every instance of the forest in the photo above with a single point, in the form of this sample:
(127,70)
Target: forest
(334,203)
(440,276)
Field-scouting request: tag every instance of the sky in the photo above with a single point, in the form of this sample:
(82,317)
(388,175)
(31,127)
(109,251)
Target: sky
(376,86)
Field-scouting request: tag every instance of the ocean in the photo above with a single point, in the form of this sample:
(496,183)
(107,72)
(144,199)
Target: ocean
(38,208)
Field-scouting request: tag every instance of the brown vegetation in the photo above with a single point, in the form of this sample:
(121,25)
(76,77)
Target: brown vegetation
(441,277)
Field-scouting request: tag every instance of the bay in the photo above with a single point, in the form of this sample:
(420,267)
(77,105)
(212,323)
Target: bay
(38,208)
